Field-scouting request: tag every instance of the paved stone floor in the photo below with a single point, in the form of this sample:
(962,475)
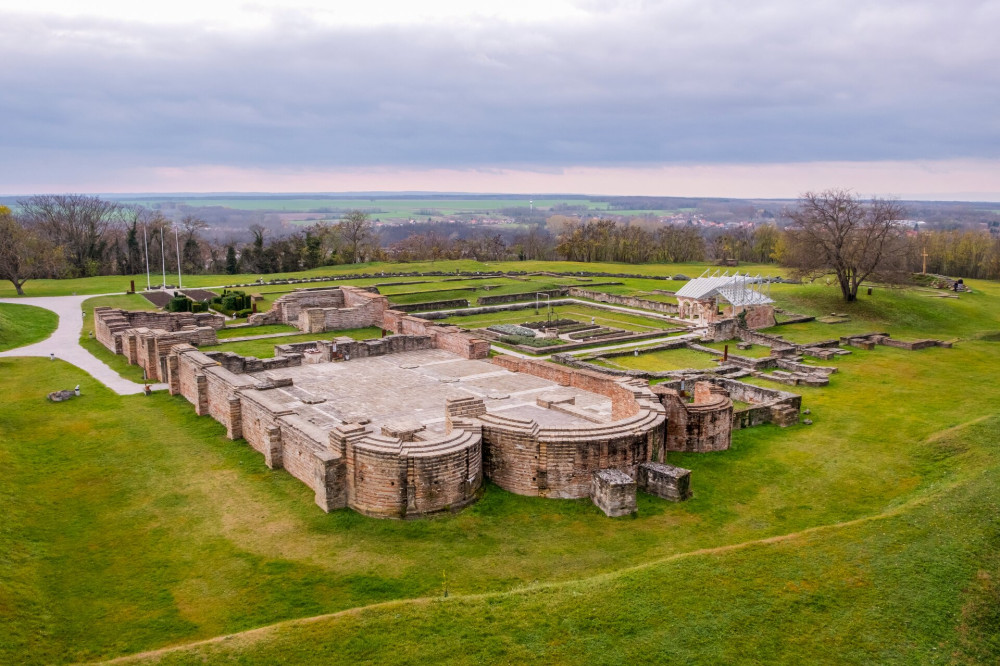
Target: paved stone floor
(412,387)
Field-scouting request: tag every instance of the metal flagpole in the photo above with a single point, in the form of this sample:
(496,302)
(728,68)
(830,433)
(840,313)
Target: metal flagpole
(163,259)
(177,242)
(145,243)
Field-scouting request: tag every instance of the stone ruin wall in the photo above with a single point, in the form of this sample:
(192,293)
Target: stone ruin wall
(352,307)
(767,405)
(373,474)
(758,316)
(702,426)
(524,458)
(287,308)
(385,476)
(388,478)
(146,337)
(126,332)
(704,310)
(628,301)
(623,397)
(448,338)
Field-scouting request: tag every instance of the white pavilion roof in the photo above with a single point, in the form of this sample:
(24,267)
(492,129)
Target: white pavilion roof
(736,289)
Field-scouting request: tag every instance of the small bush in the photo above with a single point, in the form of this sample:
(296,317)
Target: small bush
(245,312)
(529,342)
(179,303)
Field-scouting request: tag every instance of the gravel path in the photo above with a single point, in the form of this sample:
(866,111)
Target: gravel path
(65,343)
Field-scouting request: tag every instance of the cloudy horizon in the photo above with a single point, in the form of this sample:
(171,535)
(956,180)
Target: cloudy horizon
(679,98)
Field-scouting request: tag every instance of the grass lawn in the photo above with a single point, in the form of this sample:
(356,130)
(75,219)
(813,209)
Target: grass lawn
(247,331)
(580,313)
(22,325)
(755,351)
(130,524)
(265,348)
(665,359)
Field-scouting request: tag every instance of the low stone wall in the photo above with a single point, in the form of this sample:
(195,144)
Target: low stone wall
(288,308)
(526,296)
(510,307)
(869,340)
(763,401)
(448,338)
(623,396)
(628,301)
(432,305)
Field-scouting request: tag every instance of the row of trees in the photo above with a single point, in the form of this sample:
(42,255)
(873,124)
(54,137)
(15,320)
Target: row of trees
(81,236)
(832,231)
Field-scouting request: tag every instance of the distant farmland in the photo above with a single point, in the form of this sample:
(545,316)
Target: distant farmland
(393,208)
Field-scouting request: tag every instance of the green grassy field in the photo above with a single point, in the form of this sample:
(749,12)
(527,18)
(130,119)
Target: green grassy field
(247,331)
(662,360)
(871,536)
(580,313)
(22,325)
(755,351)
(120,284)
(264,348)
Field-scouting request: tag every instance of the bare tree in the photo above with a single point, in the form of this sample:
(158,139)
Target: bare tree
(78,223)
(358,234)
(836,231)
(192,255)
(24,254)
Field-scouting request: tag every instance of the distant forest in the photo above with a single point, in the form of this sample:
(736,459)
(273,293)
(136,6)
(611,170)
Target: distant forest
(100,236)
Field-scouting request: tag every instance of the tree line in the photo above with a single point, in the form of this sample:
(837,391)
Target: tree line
(67,236)
(82,236)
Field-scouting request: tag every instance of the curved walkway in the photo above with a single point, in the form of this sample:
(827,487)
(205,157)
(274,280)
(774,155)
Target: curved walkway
(64,343)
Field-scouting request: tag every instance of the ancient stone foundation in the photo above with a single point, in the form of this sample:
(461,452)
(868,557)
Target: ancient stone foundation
(145,338)
(307,412)
(703,425)
(666,481)
(613,491)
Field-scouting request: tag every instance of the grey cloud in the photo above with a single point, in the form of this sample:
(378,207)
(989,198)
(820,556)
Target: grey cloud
(677,82)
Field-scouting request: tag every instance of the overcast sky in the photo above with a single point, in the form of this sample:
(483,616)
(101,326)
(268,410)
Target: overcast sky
(699,97)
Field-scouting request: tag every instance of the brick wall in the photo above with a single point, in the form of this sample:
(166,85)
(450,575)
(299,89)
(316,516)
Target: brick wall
(758,316)
(448,338)
(526,296)
(111,321)
(702,426)
(623,402)
(305,456)
(287,308)
(628,301)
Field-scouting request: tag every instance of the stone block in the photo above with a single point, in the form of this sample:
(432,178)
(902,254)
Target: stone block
(784,415)
(666,481)
(613,491)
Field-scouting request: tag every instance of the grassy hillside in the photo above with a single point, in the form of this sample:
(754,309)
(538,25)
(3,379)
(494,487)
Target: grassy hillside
(130,524)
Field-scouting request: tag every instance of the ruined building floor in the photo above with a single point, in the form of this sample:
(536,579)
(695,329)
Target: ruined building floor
(409,389)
